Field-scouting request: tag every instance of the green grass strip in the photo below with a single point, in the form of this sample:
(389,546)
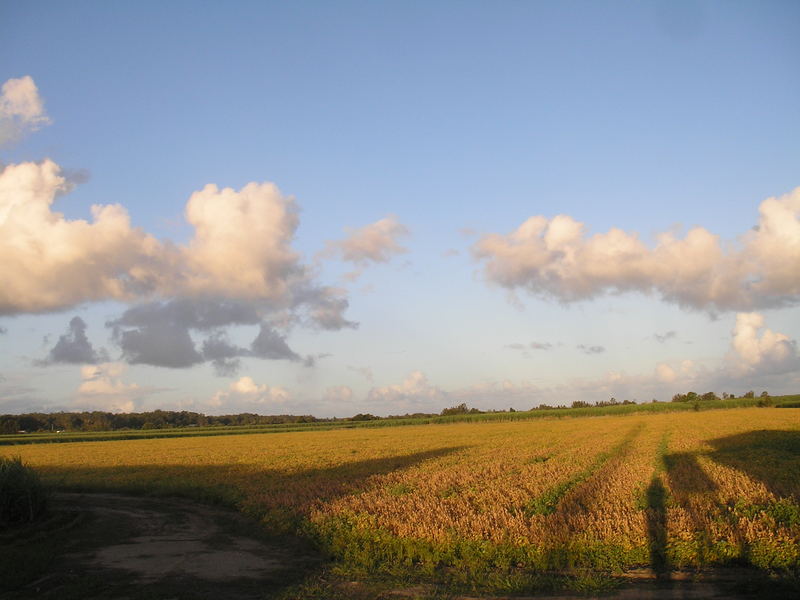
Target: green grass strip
(547,503)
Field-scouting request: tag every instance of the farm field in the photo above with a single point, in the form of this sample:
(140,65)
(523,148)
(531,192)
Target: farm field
(489,506)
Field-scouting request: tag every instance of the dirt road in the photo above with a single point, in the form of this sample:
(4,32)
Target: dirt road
(117,546)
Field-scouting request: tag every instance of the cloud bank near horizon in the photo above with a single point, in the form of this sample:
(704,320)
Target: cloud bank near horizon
(758,358)
(755,354)
(245,395)
(102,388)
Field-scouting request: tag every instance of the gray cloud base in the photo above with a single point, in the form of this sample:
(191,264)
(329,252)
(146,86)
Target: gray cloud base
(74,347)
(160,334)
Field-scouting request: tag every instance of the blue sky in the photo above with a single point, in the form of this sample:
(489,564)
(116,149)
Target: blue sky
(413,137)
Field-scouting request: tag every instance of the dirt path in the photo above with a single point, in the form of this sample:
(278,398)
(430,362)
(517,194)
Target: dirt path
(116,546)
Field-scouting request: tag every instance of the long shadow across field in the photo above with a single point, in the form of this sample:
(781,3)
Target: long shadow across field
(771,457)
(657,527)
(686,479)
(279,499)
(254,490)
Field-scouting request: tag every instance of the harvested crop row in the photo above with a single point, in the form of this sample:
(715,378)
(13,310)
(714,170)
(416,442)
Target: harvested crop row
(480,493)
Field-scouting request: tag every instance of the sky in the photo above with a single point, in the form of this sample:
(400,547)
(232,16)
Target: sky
(392,207)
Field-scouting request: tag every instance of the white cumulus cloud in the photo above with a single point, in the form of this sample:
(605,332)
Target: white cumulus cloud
(339,393)
(241,250)
(51,263)
(245,395)
(415,389)
(769,352)
(665,373)
(557,258)
(252,229)
(102,388)
(21,109)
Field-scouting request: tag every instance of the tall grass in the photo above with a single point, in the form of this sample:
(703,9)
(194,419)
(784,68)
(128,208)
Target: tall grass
(23,498)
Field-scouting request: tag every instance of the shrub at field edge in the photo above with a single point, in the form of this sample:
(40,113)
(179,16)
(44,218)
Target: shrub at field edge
(23,498)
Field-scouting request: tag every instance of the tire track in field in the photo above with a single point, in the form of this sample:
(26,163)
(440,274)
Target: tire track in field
(548,502)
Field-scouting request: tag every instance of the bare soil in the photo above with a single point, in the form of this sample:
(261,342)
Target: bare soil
(130,547)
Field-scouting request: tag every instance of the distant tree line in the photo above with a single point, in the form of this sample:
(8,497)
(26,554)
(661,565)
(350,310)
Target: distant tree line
(157,419)
(694,397)
(600,403)
(463,409)
(167,419)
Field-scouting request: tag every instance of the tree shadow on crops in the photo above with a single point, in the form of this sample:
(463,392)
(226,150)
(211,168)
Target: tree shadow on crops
(657,527)
(245,486)
(687,481)
(279,499)
(769,456)
(687,478)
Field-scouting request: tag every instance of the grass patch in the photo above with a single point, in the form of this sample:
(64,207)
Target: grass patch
(783,511)
(23,497)
(400,489)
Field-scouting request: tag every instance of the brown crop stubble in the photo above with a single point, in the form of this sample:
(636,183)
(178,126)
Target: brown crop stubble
(480,493)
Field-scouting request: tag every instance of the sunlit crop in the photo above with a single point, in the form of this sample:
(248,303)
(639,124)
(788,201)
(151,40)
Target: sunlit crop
(661,490)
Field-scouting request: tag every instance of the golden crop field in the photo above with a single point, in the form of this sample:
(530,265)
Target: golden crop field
(664,490)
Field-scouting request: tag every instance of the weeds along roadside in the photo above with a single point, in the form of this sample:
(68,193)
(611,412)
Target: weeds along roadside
(23,498)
